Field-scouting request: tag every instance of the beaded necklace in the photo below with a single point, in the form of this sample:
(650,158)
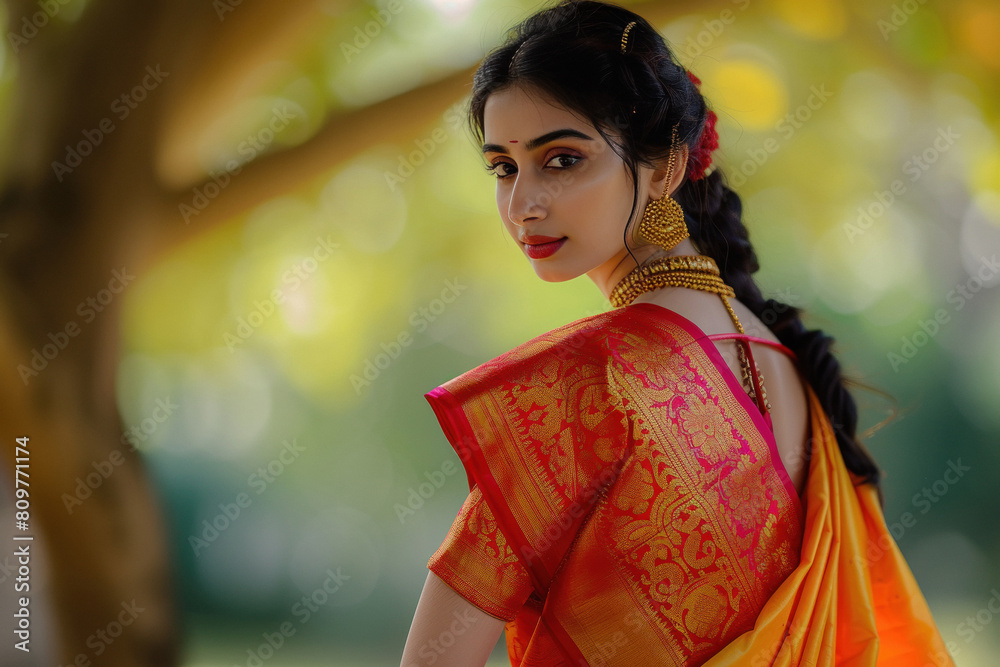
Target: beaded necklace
(694,271)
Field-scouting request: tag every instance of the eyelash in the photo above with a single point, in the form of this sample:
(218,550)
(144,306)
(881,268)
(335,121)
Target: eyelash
(492,168)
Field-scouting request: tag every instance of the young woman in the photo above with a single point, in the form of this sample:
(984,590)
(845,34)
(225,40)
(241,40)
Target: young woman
(671,482)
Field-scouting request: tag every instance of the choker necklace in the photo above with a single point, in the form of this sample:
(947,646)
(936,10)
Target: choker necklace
(696,272)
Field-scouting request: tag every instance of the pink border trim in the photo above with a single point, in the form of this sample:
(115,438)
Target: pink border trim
(751,409)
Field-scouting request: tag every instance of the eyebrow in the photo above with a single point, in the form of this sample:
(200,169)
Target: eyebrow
(544,139)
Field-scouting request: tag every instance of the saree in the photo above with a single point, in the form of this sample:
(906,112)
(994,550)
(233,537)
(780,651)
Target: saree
(627,506)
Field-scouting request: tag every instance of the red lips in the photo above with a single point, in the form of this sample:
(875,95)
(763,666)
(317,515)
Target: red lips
(540,247)
(535,240)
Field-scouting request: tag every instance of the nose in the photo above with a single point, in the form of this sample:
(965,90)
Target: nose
(528,200)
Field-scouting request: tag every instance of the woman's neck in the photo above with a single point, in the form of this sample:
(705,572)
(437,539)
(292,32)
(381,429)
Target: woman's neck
(612,272)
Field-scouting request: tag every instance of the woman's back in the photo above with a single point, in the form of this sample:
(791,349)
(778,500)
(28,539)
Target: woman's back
(782,382)
(680,548)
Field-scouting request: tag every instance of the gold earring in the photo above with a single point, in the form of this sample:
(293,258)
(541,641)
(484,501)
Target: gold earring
(662,221)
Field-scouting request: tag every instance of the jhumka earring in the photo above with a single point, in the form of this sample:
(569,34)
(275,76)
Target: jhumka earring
(662,221)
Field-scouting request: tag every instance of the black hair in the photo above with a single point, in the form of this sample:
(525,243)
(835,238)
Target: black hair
(572,53)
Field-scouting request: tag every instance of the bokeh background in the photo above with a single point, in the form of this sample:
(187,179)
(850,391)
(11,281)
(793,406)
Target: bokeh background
(240,240)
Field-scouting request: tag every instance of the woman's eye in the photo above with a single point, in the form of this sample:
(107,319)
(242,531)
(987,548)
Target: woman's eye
(492,169)
(504,166)
(563,156)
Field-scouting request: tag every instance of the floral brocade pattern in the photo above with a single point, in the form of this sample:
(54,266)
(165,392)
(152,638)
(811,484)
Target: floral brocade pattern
(481,527)
(700,522)
(697,529)
(476,551)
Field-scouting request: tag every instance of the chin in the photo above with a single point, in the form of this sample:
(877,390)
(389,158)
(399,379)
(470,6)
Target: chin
(553,274)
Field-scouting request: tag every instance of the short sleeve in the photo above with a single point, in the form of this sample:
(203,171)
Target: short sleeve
(477,562)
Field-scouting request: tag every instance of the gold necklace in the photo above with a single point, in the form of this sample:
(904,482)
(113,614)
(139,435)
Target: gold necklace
(696,272)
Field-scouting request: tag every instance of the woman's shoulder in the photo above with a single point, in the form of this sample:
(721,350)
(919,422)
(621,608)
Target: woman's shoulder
(581,348)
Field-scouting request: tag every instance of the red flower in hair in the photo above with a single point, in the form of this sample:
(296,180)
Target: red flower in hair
(701,157)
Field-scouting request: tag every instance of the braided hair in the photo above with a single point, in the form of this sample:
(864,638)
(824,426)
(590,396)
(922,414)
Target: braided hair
(572,52)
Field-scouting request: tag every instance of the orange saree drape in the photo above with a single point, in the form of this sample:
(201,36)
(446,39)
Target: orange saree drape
(627,506)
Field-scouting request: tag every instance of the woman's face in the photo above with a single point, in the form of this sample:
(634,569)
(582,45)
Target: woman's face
(558,178)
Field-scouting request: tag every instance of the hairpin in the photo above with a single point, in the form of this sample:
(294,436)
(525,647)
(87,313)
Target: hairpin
(625,35)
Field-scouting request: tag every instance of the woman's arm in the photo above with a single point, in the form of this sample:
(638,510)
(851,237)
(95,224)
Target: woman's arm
(449,631)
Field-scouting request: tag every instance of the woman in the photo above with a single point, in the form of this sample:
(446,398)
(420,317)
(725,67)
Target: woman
(632,502)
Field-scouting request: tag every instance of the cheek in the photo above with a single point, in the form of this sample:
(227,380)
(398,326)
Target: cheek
(599,203)
(599,190)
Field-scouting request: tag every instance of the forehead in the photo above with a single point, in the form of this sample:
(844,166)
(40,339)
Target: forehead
(521,113)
